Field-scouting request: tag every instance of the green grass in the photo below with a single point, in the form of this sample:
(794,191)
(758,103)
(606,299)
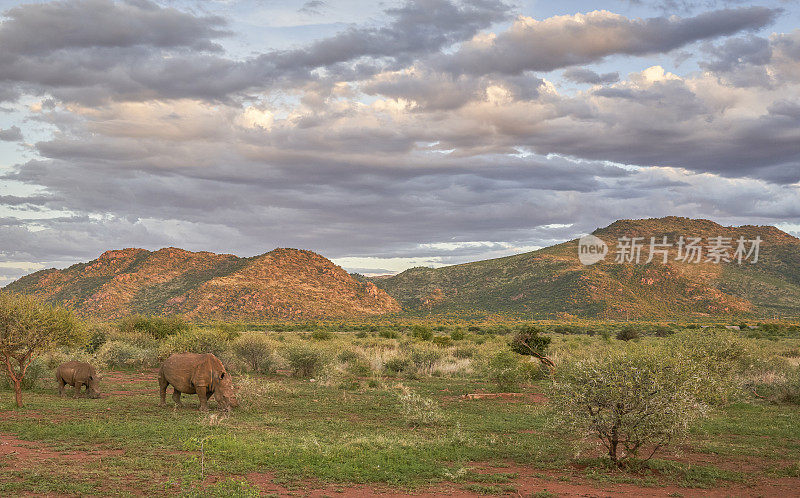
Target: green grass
(304,434)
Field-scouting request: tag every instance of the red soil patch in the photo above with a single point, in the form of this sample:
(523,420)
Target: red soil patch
(28,454)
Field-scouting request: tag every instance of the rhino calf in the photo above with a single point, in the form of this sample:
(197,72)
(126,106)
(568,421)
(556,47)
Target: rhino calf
(77,374)
(201,374)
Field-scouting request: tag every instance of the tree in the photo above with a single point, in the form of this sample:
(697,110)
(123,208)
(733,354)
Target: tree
(528,342)
(29,327)
(631,399)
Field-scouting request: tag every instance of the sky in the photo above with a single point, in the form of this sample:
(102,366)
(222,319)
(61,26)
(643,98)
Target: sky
(386,135)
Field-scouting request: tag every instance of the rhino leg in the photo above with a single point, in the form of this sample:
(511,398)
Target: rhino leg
(76,392)
(176,397)
(202,394)
(162,388)
(61,385)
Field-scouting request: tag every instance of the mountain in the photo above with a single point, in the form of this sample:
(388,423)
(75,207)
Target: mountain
(284,283)
(552,282)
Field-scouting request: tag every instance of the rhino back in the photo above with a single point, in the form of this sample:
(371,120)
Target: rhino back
(74,371)
(179,370)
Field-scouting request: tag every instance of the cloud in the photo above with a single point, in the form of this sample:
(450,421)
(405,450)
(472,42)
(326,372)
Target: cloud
(561,41)
(13,134)
(583,75)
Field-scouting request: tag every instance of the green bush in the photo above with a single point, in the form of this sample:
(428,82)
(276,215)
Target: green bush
(528,342)
(389,334)
(118,354)
(195,341)
(255,350)
(717,356)
(418,410)
(631,398)
(463,352)
(321,335)
(442,340)
(348,355)
(157,326)
(504,371)
(457,334)
(304,360)
(421,332)
(628,334)
(98,335)
(396,365)
(424,358)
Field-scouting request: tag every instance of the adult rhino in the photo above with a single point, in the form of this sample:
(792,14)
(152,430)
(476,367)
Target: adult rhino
(77,374)
(201,374)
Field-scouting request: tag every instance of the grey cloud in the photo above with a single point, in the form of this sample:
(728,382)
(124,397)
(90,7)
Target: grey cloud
(583,75)
(140,51)
(35,29)
(13,134)
(562,41)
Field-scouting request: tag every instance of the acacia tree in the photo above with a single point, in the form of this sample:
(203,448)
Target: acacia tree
(29,327)
(527,341)
(633,398)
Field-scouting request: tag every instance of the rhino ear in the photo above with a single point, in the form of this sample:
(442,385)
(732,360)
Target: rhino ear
(222,375)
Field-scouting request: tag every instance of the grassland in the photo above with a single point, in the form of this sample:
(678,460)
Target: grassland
(345,430)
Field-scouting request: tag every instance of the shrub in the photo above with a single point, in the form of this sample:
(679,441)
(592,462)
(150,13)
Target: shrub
(396,365)
(118,354)
(157,326)
(503,369)
(635,397)
(418,410)
(304,360)
(424,358)
(255,351)
(359,367)
(389,334)
(97,337)
(421,332)
(463,352)
(628,334)
(528,342)
(718,356)
(457,334)
(348,355)
(321,335)
(663,331)
(442,340)
(194,341)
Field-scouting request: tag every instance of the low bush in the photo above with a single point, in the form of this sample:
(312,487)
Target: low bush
(418,410)
(389,334)
(424,358)
(628,334)
(458,334)
(255,350)
(195,341)
(421,332)
(321,335)
(631,398)
(442,340)
(157,326)
(503,370)
(396,365)
(304,360)
(118,354)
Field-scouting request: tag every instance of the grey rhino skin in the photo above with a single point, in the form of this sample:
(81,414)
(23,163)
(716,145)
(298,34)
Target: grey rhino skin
(201,374)
(77,374)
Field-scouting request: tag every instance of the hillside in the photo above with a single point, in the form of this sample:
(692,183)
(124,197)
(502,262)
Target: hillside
(552,282)
(284,283)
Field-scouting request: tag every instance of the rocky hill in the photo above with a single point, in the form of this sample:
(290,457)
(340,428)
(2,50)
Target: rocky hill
(284,283)
(552,282)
